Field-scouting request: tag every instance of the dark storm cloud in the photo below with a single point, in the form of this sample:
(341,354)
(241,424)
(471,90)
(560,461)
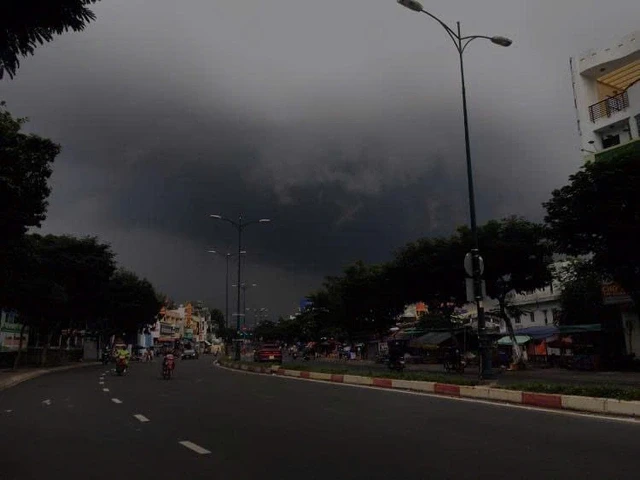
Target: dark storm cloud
(339,120)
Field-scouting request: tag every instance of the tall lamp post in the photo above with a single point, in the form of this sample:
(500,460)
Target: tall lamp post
(461,42)
(244,287)
(240,225)
(226,284)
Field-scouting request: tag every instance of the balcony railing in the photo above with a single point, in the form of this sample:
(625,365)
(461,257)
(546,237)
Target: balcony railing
(609,106)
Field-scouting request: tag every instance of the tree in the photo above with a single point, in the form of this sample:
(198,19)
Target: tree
(581,299)
(132,303)
(25,168)
(25,24)
(516,258)
(598,214)
(267,331)
(62,283)
(218,321)
(430,270)
(361,301)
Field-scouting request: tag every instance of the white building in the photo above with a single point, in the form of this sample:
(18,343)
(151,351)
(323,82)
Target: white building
(538,307)
(606,91)
(606,87)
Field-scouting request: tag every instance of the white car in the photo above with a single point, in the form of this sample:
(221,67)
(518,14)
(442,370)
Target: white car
(189,353)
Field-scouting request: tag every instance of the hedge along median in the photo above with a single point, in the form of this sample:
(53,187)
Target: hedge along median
(565,397)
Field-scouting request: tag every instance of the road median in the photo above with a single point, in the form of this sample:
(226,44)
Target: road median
(552,401)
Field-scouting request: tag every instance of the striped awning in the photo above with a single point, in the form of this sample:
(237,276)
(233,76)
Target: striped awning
(623,77)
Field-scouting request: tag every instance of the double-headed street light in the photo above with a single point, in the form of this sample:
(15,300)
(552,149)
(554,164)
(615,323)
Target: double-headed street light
(240,225)
(461,42)
(226,283)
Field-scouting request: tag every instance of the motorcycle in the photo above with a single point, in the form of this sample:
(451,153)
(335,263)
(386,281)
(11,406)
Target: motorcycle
(121,366)
(397,364)
(167,367)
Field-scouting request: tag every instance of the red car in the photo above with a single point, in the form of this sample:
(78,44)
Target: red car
(268,352)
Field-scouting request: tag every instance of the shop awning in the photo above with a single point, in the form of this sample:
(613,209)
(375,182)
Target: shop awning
(430,339)
(584,328)
(538,333)
(520,340)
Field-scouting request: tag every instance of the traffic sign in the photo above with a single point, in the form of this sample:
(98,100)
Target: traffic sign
(468,264)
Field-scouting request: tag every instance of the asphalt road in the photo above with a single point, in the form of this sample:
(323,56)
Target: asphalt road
(246,426)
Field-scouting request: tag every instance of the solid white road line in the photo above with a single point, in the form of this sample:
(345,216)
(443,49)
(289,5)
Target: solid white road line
(194,447)
(105,389)
(142,418)
(116,400)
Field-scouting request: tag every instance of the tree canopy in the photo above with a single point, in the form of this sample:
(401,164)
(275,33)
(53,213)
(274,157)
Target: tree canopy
(25,168)
(132,302)
(598,214)
(26,24)
(581,299)
(63,279)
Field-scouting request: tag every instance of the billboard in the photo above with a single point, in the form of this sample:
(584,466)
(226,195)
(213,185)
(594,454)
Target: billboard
(10,332)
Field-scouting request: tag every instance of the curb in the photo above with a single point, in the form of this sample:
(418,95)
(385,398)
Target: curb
(603,406)
(14,380)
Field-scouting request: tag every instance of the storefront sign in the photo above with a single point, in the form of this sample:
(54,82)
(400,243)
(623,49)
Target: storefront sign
(166,329)
(10,336)
(612,290)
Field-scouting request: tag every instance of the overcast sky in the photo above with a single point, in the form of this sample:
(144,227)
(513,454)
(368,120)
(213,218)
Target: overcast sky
(339,119)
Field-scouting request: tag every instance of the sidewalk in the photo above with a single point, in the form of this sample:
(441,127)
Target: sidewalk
(10,378)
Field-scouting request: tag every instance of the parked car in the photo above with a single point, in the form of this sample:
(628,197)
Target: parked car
(189,353)
(269,352)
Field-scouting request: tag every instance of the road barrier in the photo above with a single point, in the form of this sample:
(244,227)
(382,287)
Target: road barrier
(605,406)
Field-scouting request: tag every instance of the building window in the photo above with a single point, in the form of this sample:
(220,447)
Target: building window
(610,141)
(532,316)
(546,317)
(638,122)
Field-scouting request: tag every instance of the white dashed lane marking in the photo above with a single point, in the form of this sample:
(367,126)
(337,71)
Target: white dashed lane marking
(140,417)
(105,389)
(116,400)
(196,448)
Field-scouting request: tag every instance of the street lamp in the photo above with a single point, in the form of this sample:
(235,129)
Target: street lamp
(244,287)
(240,225)
(226,283)
(461,43)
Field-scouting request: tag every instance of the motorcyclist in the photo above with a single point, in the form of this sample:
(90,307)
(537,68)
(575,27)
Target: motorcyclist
(122,355)
(169,360)
(454,358)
